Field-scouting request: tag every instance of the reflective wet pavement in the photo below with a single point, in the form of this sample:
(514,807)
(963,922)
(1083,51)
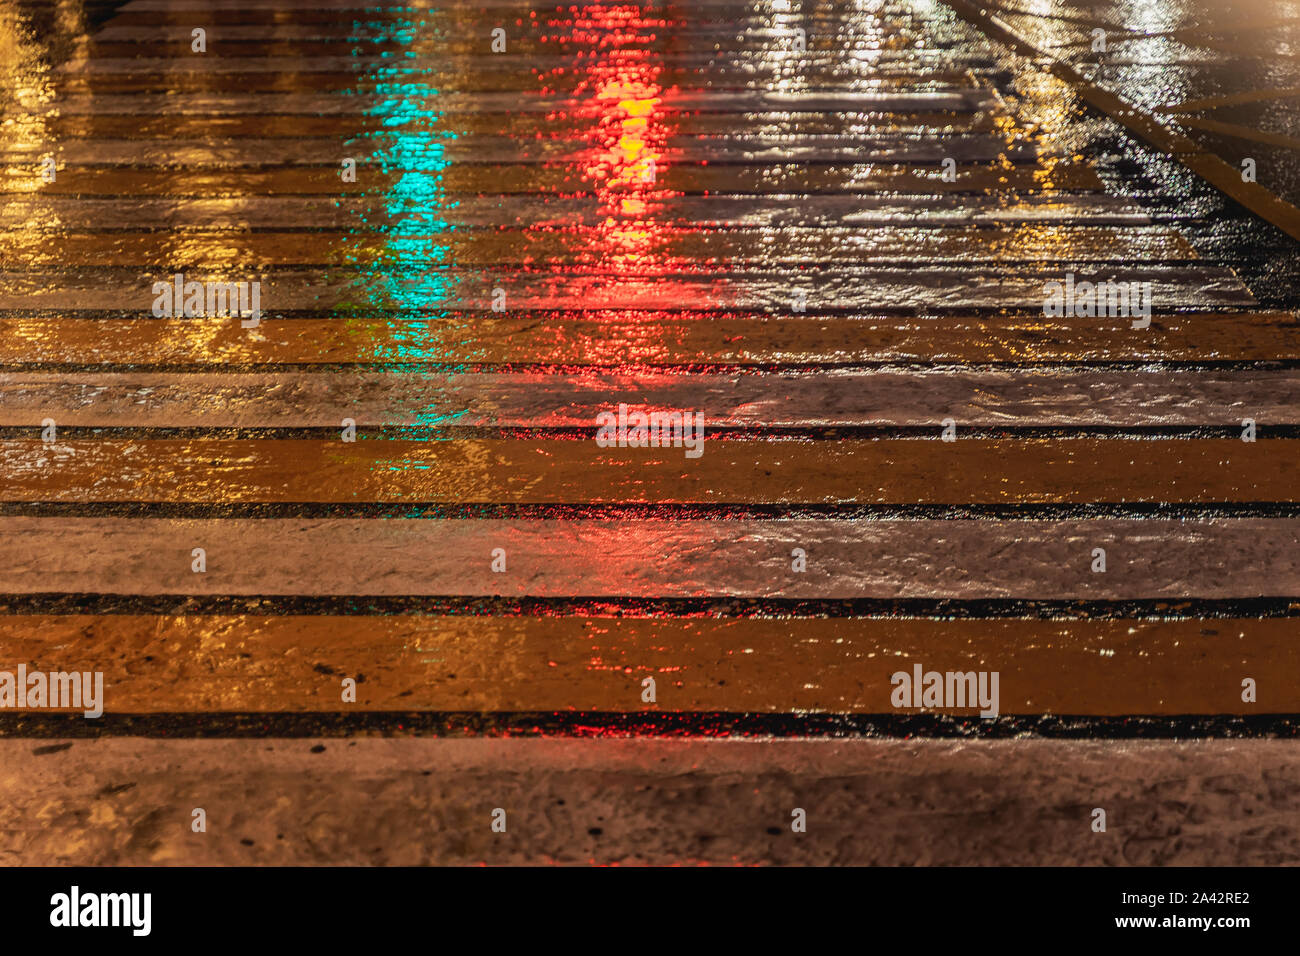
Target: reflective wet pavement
(748,212)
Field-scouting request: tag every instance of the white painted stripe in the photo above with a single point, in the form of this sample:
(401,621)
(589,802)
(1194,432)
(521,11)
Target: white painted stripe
(422,286)
(727,101)
(748,30)
(759,54)
(988,398)
(957,559)
(383,214)
(570,147)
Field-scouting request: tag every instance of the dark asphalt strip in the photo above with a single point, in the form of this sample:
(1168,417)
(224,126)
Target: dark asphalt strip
(689,725)
(720,607)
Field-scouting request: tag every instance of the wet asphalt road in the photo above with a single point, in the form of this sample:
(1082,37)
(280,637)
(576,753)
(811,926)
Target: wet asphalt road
(465,256)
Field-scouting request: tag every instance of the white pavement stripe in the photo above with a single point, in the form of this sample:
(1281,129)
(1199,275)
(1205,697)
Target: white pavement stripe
(984,398)
(394,215)
(1146,559)
(725,101)
(427,149)
(758,51)
(413,281)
